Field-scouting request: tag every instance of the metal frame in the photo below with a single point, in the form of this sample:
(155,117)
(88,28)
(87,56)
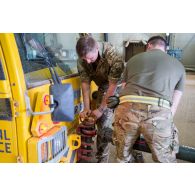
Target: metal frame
(46,140)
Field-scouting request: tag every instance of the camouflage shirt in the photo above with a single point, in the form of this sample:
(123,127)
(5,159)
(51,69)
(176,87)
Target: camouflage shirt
(109,66)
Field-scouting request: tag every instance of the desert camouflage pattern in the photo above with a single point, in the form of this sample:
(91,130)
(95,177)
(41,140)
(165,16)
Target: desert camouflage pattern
(109,67)
(154,123)
(104,122)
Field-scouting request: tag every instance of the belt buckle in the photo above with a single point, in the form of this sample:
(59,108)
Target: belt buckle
(160,102)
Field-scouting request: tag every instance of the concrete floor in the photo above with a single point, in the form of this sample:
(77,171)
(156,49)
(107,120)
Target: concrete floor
(185,116)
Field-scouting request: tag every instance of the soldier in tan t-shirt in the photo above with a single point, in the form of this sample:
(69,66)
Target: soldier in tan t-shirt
(154,83)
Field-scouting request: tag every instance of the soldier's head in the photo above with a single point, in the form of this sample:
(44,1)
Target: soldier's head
(156,42)
(87,49)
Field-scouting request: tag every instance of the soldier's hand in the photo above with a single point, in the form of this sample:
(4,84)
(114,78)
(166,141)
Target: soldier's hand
(96,113)
(113,101)
(85,113)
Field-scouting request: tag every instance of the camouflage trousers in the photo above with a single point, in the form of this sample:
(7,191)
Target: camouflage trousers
(102,146)
(102,123)
(154,123)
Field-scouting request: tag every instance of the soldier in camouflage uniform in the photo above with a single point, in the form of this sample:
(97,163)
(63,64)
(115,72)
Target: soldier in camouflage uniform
(148,102)
(99,62)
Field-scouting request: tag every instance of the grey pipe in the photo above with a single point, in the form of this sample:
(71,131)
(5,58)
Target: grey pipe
(185,153)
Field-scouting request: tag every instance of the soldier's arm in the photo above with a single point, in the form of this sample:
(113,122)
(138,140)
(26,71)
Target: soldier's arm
(178,92)
(175,101)
(116,65)
(124,80)
(115,74)
(123,85)
(116,68)
(111,89)
(85,86)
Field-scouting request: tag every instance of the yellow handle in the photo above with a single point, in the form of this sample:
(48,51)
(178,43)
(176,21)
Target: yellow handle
(74,141)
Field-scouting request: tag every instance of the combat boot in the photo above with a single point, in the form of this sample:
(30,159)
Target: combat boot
(138,156)
(102,158)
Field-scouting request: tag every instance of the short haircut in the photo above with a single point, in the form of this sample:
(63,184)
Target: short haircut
(157,40)
(85,45)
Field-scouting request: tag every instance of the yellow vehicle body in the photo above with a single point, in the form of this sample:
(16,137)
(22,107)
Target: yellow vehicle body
(23,137)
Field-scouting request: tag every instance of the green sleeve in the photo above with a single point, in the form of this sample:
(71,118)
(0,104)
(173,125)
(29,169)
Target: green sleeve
(116,63)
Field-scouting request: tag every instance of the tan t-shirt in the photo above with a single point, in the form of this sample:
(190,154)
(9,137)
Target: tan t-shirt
(155,74)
